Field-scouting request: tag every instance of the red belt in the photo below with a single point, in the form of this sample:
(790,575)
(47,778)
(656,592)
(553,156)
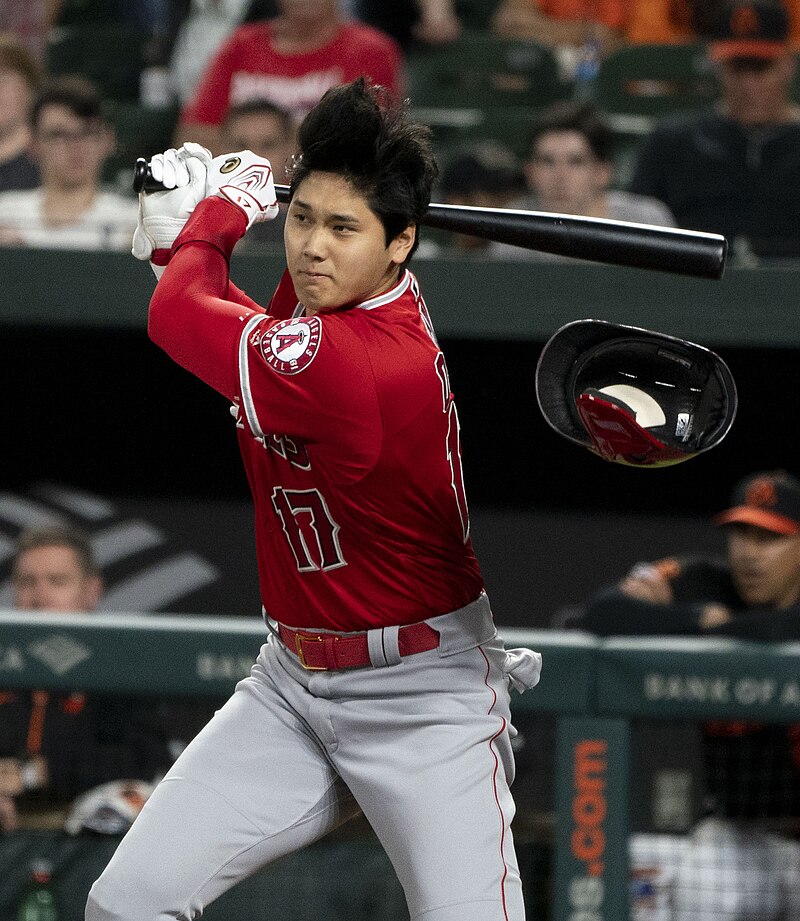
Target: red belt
(329,651)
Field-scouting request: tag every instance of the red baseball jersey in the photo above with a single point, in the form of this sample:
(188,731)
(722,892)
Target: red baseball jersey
(349,434)
(248,67)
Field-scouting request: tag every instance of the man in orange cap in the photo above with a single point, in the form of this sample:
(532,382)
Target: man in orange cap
(735,169)
(754,593)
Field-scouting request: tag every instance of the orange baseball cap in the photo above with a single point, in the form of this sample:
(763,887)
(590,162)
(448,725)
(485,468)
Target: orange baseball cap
(751,29)
(769,500)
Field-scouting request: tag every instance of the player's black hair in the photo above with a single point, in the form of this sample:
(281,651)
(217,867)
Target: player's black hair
(582,117)
(75,93)
(356,132)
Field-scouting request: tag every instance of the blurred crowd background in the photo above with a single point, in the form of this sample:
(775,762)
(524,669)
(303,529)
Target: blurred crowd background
(674,112)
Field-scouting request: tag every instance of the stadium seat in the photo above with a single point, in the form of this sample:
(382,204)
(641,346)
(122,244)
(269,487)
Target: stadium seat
(475,14)
(75,12)
(111,55)
(140,132)
(481,71)
(650,81)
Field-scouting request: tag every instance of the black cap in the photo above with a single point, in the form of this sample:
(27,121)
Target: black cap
(751,29)
(769,500)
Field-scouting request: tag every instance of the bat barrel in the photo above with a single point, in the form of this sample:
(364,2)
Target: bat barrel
(643,246)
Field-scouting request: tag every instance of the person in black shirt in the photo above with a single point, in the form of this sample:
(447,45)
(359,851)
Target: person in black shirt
(753,769)
(735,169)
(55,746)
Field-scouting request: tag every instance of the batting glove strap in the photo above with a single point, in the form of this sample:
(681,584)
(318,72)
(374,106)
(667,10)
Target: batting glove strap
(245,180)
(154,233)
(254,210)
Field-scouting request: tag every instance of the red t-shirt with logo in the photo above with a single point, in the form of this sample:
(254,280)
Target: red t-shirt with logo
(248,67)
(349,435)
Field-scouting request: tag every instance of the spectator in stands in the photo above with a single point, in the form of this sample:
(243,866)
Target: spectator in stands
(289,60)
(571,169)
(485,175)
(429,22)
(596,26)
(30,22)
(752,770)
(680,21)
(736,169)
(69,209)
(755,592)
(265,129)
(19,83)
(206,26)
(55,746)
(48,742)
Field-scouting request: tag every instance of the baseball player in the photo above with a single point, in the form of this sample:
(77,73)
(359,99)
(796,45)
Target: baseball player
(383,686)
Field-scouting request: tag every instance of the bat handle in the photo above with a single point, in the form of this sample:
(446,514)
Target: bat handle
(142,178)
(143,182)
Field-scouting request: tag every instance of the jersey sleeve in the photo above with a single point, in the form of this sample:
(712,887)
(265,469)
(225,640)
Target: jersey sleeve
(311,378)
(192,316)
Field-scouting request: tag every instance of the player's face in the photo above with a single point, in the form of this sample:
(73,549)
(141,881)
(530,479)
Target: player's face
(765,566)
(336,248)
(70,150)
(52,579)
(565,174)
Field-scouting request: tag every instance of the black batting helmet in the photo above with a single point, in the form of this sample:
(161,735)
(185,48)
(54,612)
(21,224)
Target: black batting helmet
(634,396)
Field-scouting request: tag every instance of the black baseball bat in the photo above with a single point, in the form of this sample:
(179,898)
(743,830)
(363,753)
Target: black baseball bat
(641,246)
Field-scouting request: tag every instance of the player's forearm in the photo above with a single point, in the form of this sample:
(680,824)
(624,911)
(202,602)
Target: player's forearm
(191,314)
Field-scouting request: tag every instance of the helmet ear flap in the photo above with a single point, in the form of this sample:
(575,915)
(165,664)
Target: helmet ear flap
(634,396)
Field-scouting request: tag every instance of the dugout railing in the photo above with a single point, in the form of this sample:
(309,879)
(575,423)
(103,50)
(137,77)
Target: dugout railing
(593,689)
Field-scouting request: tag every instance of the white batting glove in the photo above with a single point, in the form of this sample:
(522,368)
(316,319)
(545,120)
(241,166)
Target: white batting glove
(245,180)
(184,173)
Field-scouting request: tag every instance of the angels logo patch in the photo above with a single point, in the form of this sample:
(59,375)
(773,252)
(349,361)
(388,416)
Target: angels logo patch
(290,346)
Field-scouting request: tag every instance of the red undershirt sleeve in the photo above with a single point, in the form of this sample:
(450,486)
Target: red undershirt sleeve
(196,316)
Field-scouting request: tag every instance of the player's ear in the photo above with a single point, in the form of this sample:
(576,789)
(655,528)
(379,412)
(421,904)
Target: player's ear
(401,245)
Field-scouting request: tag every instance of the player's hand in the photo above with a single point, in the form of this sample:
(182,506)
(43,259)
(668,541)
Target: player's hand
(162,215)
(245,180)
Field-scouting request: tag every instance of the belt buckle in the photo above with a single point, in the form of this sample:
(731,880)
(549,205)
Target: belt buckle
(298,642)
